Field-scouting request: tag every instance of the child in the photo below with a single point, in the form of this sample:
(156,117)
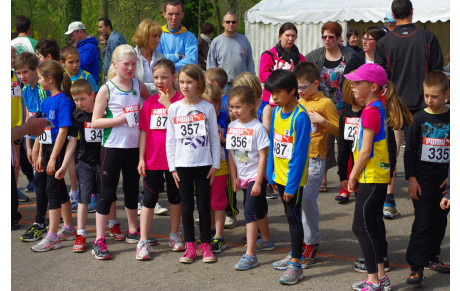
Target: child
(371,170)
(52,145)
(70,60)
(193,152)
(47,49)
(218,201)
(287,165)
(152,157)
(324,120)
(218,77)
(247,144)
(120,145)
(426,162)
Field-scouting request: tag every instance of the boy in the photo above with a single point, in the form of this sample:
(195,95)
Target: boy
(70,60)
(426,163)
(47,49)
(287,165)
(218,77)
(324,120)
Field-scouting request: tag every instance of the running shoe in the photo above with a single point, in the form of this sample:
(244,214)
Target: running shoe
(415,277)
(310,253)
(30,186)
(22,197)
(15,225)
(283,263)
(292,275)
(175,242)
(360,265)
(262,245)
(115,231)
(74,207)
(270,194)
(246,262)
(438,266)
(93,205)
(133,238)
(389,210)
(342,199)
(34,233)
(47,244)
(385,284)
(65,234)
(80,244)
(206,252)
(160,210)
(366,285)
(100,250)
(143,251)
(190,253)
(218,244)
(230,222)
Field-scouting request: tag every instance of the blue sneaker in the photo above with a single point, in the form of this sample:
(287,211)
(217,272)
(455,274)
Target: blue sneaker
(30,186)
(292,275)
(74,207)
(246,262)
(22,197)
(92,206)
(262,245)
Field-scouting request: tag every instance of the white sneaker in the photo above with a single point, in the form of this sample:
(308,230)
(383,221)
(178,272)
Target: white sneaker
(139,207)
(143,251)
(160,210)
(230,222)
(175,242)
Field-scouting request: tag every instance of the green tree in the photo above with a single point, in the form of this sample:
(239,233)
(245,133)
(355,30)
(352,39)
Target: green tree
(196,13)
(72,12)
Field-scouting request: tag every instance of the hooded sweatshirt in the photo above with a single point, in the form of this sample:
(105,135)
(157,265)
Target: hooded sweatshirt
(89,56)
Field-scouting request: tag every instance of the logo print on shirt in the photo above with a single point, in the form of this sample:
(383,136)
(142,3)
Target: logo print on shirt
(52,114)
(200,140)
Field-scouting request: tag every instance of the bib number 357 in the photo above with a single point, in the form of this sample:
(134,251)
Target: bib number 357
(189,126)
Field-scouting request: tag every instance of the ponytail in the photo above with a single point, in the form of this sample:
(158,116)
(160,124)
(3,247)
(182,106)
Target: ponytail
(112,73)
(66,84)
(397,113)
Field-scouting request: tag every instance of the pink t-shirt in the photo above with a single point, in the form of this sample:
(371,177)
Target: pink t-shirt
(370,118)
(153,122)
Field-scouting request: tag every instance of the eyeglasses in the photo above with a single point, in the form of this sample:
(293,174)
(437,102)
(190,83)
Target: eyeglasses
(230,21)
(328,36)
(367,39)
(304,87)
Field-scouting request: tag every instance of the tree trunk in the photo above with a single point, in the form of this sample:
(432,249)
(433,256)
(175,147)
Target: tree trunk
(104,10)
(72,12)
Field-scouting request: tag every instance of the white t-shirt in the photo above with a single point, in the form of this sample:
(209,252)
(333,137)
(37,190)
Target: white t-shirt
(247,162)
(192,137)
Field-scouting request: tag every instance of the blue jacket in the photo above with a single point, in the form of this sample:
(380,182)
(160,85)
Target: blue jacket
(179,42)
(114,40)
(89,56)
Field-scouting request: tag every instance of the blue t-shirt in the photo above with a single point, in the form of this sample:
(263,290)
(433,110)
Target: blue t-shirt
(260,111)
(82,74)
(58,109)
(224,103)
(33,97)
(223,121)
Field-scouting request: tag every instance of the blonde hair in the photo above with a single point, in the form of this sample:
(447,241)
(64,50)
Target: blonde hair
(81,86)
(196,73)
(246,96)
(250,80)
(54,70)
(212,94)
(144,30)
(347,93)
(121,51)
(397,113)
(217,75)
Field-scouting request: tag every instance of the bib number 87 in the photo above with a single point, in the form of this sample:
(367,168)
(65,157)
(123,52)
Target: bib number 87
(280,148)
(187,129)
(161,121)
(239,142)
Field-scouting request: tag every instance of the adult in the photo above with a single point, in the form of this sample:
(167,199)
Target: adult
(147,37)
(87,47)
(231,51)
(331,60)
(23,43)
(353,40)
(284,55)
(177,44)
(389,23)
(114,39)
(207,30)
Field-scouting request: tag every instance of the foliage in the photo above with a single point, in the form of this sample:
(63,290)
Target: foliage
(72,12)
(196,14)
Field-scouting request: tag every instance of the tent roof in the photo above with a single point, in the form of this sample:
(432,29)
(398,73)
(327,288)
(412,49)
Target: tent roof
(307,11)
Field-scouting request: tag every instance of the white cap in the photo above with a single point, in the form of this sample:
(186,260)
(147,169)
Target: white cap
(77,25)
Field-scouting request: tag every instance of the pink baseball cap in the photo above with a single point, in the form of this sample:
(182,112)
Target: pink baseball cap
(372,73)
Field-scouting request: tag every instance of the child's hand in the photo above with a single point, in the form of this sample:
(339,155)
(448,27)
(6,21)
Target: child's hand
(274,187)
(414,188)
(50,169)
(287,197)
(60,173)
(445,203)
(122,119)
(164,98)
(444,183)
(211,175)
(256,189)
(236,184)
(141,168)
(315,117)
(221,136)
(344,184)
(29,156)
(176,178)
(39,165)
(352,183)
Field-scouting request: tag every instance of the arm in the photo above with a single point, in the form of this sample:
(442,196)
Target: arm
(141,165)
(256,189)
(93,83)
(191,53)
(215,144)
(411,149)
(70,149)
(250,63)
(265,67)
(211,61)
(363,158)
(270,161)
(58,144)
(392,150)
(380,58)
(343,151)
(266,117)
(232,168)
(435,59)
(100,105)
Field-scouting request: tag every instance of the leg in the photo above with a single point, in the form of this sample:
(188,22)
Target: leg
(131,186)
(175,204)
(219,202)
(203,202)
(151,192)
(186,195)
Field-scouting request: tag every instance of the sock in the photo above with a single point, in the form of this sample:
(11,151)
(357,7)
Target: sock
(73,195)
(390,198)
(81,232)
(68,227)
(112,222)
(53,236)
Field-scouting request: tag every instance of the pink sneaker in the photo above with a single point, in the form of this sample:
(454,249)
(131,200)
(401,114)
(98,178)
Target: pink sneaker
(206,252)
(190,253)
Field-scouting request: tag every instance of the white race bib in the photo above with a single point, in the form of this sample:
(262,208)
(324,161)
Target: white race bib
(132,115)
(435,150)
(158,118)
(92,134)
(239,139)
(31,114)
(282,146)
(189,126)
(15,89)
(45,137)
(349,130)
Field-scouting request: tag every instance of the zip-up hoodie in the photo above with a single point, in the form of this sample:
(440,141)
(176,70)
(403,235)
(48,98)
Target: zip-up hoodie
(180,41)
(89,56)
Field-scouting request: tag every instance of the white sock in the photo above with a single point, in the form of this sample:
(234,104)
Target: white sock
(112,222)
(73,195)
(81,232)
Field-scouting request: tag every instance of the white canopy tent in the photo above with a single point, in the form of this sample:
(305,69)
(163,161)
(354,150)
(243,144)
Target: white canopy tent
(262,22)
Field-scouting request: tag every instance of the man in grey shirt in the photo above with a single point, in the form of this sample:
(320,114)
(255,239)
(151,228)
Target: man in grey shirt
(230,51)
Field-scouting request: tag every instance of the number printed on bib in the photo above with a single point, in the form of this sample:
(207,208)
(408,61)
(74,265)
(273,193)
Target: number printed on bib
(15,89)
(239,139)
(92,134)
(349,130)
(158,118)
(282,146)
(435,150)
(45,137)
(132,115)
(189,126)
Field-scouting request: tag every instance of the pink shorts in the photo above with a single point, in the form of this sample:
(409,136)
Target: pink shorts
(219,193)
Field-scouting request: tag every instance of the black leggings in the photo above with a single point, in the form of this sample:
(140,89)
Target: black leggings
(194,178)
(42,198)
(152,186)
(56,190)
(367,224)
(15,215)
(114,160)
(26,167)
(292,209)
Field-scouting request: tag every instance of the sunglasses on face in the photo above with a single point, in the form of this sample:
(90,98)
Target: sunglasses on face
(328,36)
(230,21)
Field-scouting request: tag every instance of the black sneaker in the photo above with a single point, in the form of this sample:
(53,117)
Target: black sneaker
(438,267)
(133,238)
(415,277)
(245,239)
(34,233)
(15,225)
(360,265)
(100,250)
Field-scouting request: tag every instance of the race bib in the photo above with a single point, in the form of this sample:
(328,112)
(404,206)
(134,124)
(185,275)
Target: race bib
(349,130)
(282,146)
(15,89)
(435,150)
(189,126)
(239,139)
(132,115)
(92,134)
(158,118)
(45,137)
(31,114)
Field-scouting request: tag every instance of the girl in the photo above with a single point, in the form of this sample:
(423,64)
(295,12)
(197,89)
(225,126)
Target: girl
(52,145)
(247,144)
(152,159)
(193,152)
(120,144)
